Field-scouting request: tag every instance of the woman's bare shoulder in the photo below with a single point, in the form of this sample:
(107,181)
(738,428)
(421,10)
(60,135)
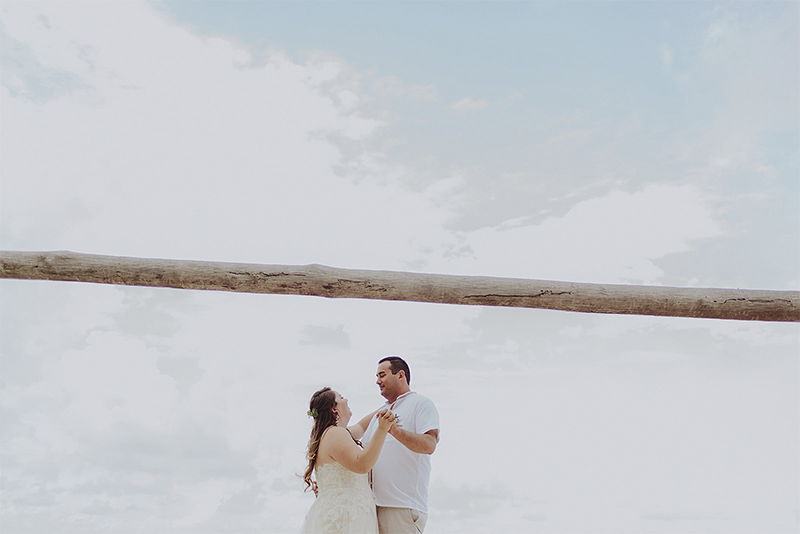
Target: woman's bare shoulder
(333,442)
(336,433)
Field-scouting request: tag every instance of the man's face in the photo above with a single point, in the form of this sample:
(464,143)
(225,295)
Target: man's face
(390,384)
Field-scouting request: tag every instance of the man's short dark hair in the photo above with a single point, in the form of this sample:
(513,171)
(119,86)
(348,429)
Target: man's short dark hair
(398,364)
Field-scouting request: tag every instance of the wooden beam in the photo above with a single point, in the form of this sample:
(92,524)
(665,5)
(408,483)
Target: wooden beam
(322,281)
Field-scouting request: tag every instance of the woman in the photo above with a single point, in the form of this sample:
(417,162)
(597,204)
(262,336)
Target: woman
(344,503)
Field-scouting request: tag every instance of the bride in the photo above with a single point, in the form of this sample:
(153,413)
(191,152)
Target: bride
(345,503)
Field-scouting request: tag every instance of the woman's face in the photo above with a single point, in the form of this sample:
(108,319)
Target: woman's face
(344,410)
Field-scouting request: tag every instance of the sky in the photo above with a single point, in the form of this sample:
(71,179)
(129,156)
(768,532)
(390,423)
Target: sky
(610,142)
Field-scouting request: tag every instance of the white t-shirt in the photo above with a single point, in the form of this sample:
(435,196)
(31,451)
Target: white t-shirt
(400,477)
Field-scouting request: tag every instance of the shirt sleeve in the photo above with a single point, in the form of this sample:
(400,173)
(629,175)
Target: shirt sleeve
(427,416)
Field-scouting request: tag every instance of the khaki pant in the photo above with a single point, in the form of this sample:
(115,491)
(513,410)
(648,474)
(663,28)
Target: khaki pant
(400,520)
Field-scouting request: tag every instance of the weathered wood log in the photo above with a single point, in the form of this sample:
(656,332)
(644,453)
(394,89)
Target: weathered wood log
(322,281)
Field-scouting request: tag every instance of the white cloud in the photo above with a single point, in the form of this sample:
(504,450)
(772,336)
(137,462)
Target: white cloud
(666,55)
(129,409)
(182,146)
(719,27)
(573,135)
(610,239)
(393,87)
(469,104)
(746,92)
(167,144)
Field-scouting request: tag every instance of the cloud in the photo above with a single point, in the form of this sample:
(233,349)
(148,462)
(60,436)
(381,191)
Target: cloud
(191,145)
(393,87)
(469,104)
(723,24)
(667,56)
(323,335)
(573,135)
(167,144)
(163,410)
(611,239)
(745,91)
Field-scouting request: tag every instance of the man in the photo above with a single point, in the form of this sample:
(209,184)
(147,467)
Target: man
(401,475)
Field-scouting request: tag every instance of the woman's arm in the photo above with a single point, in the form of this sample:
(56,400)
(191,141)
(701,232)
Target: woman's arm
(341,447)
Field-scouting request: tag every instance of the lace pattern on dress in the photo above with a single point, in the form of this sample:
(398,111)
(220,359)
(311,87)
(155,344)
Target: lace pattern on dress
(344,505)
(343,494)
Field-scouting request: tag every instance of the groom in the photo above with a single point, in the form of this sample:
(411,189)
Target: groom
(400,477)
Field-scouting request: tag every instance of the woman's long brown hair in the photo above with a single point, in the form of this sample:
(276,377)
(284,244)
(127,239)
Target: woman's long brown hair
(322,404)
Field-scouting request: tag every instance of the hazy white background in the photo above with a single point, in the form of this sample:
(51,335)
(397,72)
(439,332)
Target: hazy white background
(642,142)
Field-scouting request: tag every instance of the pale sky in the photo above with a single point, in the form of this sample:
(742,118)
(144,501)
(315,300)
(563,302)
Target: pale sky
(626,142)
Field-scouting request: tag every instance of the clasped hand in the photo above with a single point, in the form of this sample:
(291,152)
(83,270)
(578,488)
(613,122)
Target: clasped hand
(386,420)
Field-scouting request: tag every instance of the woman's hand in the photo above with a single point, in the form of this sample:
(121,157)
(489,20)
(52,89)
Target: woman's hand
(385,419)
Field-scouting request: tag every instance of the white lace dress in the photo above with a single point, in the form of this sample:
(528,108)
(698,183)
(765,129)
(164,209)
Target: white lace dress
(345,504)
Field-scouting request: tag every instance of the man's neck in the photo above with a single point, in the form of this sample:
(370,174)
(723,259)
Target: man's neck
(401,395)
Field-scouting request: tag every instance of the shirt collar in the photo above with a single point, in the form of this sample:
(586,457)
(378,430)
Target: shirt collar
(404,395)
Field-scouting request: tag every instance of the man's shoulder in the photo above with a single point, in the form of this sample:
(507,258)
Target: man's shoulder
(421,400)
(426,415)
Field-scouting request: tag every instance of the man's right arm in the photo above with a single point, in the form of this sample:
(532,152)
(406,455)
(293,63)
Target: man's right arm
(358,429)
